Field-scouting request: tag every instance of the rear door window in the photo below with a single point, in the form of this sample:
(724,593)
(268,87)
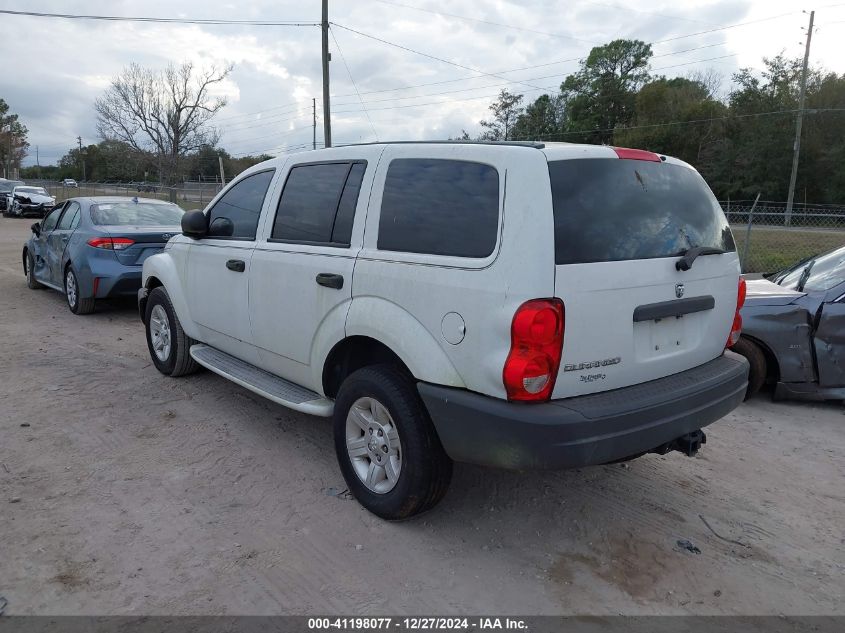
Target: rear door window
(70,218)
(613,209)
(318,203)
(440,207)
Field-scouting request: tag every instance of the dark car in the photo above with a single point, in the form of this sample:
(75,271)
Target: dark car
(6,187)
(94,248)
(793,330)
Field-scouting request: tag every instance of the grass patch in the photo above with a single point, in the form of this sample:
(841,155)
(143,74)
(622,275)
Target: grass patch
(775,249)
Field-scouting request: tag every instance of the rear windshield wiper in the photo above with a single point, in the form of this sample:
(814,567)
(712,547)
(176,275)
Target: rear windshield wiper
(685,263)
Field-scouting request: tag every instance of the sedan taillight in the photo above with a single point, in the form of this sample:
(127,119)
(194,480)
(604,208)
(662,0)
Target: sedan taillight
(111,243)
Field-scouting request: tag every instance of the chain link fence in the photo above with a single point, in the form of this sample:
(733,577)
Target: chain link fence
(768,240)
(188,195)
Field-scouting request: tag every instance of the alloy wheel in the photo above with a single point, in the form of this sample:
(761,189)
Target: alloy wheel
(373,446)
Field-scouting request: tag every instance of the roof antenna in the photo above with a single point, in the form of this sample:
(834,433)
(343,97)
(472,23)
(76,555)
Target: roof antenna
(135,199)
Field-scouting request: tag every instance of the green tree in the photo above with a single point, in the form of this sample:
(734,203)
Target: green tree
(506,110)
(13,143)
(602,94)
(542,119)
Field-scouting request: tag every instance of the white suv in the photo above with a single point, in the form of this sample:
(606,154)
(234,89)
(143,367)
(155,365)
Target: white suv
(517,305)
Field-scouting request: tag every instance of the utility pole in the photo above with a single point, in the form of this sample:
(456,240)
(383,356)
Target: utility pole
(798,124)
(81,158)
(37,163)
(314,111)
(327,124)
(222,173)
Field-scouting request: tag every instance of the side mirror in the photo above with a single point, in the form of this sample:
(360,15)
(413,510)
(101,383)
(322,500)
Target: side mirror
(36,228)
(194,224)
(221,227)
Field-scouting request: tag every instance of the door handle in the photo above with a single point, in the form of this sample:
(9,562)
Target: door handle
(238,265)
(330,280)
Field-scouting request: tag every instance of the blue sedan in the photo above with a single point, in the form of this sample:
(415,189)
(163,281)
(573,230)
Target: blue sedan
(94,248)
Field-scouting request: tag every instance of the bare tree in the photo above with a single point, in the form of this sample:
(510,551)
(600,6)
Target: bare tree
(164,113)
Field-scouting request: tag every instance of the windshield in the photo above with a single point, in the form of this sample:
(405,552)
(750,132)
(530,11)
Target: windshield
(36,190)
(819,273)
(136,214)
(611,210)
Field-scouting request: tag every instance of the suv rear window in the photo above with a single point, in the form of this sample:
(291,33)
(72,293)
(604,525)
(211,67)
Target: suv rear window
(613,209)
(440,207)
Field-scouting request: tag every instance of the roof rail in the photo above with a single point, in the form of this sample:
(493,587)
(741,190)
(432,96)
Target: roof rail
(532,144)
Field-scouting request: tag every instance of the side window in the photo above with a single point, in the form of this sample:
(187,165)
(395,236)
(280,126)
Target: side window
(318,203)
(50,221)
(440,207)
(241,205)
(70,218)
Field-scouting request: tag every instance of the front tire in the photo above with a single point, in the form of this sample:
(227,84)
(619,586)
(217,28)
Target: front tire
(757,362)
(29,264)
(386,445)
(75,301)
(170,347)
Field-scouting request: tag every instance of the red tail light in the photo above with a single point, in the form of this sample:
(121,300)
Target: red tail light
(736,328)
(536,348)
(111,243)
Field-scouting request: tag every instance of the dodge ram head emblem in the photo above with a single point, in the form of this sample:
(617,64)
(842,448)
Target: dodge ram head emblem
(679,290)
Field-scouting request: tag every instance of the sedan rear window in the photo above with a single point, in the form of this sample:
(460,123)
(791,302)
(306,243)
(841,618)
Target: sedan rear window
(136,214)
(612,210)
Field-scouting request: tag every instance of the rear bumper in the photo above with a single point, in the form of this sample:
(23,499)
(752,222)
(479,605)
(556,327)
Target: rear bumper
(592,429)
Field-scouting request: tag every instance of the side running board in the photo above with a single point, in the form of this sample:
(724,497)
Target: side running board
(261,382)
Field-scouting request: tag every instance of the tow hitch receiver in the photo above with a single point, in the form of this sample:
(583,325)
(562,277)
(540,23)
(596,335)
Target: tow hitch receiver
(687,444)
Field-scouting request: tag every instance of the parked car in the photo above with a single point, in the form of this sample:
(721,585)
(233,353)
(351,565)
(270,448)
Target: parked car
(27,200)
(581,319)
(793,332)
(70,182)
(93,248)
(6,187)
(147,187)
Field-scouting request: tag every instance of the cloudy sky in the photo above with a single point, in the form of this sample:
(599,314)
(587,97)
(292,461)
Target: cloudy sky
(529,44)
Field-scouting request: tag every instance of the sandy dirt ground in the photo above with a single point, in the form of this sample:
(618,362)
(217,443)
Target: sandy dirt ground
(126,492)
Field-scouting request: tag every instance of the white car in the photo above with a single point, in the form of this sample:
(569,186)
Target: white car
(70,182)
(514,305)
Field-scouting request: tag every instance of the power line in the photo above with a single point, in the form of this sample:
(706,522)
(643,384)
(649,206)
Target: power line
(348,72)
(434,94)
(120,18)
(488,96)
(488,22)
(434,57)
(513,70)
(724,28)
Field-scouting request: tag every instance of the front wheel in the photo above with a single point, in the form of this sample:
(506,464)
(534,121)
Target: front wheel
(170,347)
(75,301)
(386,445)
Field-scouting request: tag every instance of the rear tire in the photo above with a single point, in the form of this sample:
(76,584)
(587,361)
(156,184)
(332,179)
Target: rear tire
(170,347)
(757,361)
(31,282)
(75,302)
(382,428)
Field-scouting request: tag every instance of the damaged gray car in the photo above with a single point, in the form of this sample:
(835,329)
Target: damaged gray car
(793,330)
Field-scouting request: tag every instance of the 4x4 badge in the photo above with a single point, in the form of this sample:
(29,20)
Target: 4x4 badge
(679,290)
